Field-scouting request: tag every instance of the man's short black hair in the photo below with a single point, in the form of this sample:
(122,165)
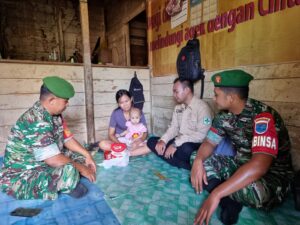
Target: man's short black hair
(185,83)
(44,92)
(242,92)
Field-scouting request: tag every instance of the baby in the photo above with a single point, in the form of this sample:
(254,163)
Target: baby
(135,130)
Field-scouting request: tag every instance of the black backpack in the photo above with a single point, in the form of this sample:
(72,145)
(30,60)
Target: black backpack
(189,63)
(136,91)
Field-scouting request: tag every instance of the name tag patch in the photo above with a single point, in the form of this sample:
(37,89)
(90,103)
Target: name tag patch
(263,141)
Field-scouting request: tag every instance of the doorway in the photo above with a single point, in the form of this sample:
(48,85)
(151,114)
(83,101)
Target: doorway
(138,40)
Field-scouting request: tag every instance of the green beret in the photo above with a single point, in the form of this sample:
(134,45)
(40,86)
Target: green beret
(59,87)
(232,78)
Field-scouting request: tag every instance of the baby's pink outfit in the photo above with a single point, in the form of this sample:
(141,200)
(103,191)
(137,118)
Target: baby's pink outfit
(138,129)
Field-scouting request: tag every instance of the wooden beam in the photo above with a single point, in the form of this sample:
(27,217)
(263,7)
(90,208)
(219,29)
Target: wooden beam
(138,32)
(139,25)
(137,41)
(127,43)
(88,75)
(62,50)
(134,13)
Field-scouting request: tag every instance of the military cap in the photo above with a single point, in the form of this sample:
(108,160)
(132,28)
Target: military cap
(232,78)
(59,87)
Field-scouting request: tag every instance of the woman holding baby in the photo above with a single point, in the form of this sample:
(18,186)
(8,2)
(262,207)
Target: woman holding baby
(127,124)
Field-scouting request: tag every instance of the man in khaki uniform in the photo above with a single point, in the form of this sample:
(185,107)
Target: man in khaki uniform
(190,123)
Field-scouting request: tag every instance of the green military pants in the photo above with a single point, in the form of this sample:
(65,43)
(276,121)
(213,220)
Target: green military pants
(265,193)
(42,182)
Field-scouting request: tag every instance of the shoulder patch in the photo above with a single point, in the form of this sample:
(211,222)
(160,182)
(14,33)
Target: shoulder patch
(206,121)
(265,138)
(261,125)
(66,131)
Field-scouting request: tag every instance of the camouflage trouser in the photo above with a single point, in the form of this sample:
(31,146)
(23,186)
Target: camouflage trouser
(265,193)
(43,182)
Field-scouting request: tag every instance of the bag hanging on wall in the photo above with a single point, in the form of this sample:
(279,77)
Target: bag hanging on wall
(136,91)
(189,63)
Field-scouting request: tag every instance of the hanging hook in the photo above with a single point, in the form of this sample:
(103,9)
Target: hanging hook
(195,34)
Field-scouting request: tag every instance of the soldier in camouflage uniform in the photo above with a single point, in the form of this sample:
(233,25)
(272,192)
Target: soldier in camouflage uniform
(260,174)
(36,164)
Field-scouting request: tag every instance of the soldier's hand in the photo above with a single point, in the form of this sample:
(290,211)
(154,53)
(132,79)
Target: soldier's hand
(90,162)
(208,207)
(198,175)
(170,152)
(160,147)
(86,172)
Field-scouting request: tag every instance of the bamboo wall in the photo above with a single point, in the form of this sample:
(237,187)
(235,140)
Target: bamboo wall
(19,89)
(275,84)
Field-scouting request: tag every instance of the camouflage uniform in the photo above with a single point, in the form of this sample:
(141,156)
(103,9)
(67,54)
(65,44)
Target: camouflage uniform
(247,132)
(37,136)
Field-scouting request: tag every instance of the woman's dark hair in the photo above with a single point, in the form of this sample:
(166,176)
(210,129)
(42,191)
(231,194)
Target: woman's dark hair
(242,92)
(121,93)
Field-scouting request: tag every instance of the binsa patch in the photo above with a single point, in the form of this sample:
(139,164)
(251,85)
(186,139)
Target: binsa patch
(261,125)
(264,136)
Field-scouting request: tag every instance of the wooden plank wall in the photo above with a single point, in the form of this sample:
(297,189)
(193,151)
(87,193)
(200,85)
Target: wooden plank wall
(20,84)
(275,84)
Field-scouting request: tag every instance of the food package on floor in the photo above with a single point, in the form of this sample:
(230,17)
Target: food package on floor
(118,156)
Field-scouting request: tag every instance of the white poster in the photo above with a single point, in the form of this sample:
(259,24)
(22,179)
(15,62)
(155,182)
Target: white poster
(202,11)
(180,17)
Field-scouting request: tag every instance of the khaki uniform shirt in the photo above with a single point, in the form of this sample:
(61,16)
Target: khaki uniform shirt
(189,123)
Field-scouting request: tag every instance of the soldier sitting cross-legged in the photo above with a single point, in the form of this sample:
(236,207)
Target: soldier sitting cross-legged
(36,164)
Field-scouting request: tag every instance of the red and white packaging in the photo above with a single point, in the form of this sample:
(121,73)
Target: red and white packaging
(118,150)
(107,155)
(118,156)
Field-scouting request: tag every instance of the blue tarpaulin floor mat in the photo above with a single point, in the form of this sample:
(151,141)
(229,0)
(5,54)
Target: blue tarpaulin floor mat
(91,209)
(149,191)
(146,192)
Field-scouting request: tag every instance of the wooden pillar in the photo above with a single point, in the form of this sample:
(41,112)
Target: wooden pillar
(127,43)
(88,75)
